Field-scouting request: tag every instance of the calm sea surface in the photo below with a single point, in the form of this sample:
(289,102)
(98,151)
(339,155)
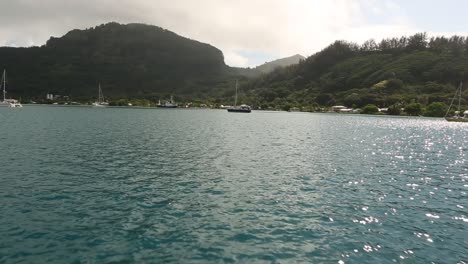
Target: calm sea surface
(109,185)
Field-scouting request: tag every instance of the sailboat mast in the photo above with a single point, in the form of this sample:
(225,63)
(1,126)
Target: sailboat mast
(4,84)
(235,98)
(99,93)
(459,96)
(457,92)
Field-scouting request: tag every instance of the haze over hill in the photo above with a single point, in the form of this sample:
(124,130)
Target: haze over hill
(268,67)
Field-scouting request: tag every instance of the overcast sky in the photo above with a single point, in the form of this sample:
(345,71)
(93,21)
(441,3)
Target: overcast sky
(249,32)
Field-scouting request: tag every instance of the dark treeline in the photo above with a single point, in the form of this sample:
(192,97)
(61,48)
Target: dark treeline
(393,72)
(456,45)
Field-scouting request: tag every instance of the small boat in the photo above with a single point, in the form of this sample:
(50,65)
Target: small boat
(457,117)
(167,104)
(100,102)
(8,102)
(239,109)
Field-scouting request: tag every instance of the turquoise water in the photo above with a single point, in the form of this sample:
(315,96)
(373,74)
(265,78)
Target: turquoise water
(87,185)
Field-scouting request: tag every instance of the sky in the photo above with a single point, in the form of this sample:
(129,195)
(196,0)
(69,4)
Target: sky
(249,32)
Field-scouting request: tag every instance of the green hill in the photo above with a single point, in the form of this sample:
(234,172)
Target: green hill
(268,67)
(148,62)
(133,60)
(395,71)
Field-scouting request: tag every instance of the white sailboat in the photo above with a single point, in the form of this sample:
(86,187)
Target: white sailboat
(7,102)
(100,102)
(458,117)
(167,104)
(239,109)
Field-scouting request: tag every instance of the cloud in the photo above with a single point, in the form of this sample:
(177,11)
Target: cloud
(276,27)
(236,59)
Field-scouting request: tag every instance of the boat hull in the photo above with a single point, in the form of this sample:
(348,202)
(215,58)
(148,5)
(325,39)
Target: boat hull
(455,119)
(167,106)
(99,105)
(10,104)
(237,110)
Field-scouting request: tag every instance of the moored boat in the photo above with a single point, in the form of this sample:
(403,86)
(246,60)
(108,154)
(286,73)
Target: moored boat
(7,102)
(100,102)
(239,109)
(457,117)
(167,104)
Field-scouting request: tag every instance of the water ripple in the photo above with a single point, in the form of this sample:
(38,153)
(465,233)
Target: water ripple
(137,185)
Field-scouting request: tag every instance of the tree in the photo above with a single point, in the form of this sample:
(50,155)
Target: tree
(432,87)
(369,45)
(385,45)
(394,85)
(394,109)
(438,44)
(353,99)
(436,109)
(417,42)
(370,109)
(323,99)
(413,109)
(456,45)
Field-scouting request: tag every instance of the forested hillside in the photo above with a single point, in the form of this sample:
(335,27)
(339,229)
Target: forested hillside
(395,71)
(130,61)
(268,67)
(138,61)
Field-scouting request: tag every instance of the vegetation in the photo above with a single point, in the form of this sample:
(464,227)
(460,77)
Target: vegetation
(437,109)
(268,67)
(394,109)
(139,64)
(414,109)
(370,109)
(391,73)
(130,61)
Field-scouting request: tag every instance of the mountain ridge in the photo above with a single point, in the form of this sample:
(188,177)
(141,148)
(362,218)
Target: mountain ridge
(270,66)
(148,62)
(132,60)
(393,72)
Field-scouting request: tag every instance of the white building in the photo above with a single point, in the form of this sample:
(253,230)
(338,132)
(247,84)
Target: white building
(341,109)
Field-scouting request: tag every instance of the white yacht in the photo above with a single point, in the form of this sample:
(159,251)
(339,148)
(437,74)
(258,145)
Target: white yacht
(239,109)
(167,104)
(100,102)
(7,102)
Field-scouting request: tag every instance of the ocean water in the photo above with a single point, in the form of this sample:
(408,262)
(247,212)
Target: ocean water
(116,185)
